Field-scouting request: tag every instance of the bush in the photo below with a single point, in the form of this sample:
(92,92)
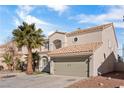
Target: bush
(18,64)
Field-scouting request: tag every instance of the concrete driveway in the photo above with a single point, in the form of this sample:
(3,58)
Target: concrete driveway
(22,80)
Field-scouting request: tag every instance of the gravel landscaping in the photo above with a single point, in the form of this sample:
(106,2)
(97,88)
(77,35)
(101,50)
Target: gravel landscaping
(110,80)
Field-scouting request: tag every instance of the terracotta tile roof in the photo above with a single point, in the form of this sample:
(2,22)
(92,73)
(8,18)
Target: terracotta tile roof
(89,30)
(76,49)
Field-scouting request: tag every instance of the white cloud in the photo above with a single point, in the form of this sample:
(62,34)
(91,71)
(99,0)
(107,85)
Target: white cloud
(23,13)
(16,22)
(50,32)
(58,8)
(113,14)
(32,19)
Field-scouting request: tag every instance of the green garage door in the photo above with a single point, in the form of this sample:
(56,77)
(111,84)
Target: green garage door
(71,67)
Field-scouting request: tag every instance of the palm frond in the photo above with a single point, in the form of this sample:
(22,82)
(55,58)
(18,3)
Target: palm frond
(26,34)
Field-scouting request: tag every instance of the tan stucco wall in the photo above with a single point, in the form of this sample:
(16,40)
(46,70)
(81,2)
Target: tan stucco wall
(82,39)
(108,35)
(105,56)
(91,66)
(61,37)
(85,38)
(52,65)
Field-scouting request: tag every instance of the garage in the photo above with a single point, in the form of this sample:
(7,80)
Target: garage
(71,66)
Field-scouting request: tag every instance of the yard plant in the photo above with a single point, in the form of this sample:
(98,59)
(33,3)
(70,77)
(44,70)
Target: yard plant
(27,35)
(8,60)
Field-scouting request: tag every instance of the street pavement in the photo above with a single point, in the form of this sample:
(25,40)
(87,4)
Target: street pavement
(21,80)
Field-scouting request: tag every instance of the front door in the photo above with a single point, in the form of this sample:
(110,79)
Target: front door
(43,63)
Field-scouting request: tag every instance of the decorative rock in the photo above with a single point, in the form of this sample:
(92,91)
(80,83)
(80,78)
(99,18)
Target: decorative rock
(109,78)
(99,73)
(117,74)
(100,84)
(121,86)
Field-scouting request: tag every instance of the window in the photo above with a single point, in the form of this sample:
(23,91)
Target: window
(104,56)
(75,39)
(57,43)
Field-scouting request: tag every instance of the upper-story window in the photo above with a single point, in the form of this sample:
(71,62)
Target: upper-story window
(75,39)
(57,43)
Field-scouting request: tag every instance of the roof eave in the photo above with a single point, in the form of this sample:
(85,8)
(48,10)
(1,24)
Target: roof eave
(56,32)
(70,54)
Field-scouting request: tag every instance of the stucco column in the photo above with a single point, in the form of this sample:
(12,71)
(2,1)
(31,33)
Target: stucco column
(91,66)
(40,65)
(51,67)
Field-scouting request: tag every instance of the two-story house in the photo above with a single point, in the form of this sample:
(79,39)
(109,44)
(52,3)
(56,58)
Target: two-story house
(84,52)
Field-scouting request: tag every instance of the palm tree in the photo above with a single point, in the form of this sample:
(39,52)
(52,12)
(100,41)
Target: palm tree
(8,60)
(27,35)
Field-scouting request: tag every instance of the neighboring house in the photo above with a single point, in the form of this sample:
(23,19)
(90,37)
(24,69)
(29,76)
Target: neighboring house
(2,51)
(85,53)
(11,48)
(19,53)
(8,47)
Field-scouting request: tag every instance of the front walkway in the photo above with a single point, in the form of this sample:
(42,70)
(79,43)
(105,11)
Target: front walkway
(21,80)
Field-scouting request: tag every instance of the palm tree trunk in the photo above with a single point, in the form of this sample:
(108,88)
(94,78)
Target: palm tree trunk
(29,64)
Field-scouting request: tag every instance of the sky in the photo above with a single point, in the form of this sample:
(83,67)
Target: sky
(61,18)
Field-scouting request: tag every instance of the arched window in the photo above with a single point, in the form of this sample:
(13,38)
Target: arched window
(57,43)
(45,60)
